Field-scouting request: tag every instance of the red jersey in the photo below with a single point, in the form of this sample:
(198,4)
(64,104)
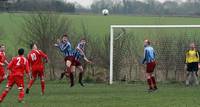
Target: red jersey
(18,65)
(35,59)
(2,59)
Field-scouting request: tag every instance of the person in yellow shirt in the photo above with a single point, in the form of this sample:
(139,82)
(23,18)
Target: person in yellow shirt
(192,62)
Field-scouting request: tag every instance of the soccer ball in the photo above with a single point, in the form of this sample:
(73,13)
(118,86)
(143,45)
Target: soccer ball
(105,12)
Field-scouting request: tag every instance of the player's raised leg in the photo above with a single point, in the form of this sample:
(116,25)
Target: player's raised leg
(9,85)
(71,75)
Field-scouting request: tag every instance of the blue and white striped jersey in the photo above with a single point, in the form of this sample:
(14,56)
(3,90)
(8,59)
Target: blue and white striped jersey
(77,54)
(66,48)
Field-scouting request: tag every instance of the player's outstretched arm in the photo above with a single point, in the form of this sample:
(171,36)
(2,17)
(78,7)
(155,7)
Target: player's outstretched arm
(2,64)
(44,56)
(58,42)
(87,60)
(28,73)
(81,51)
(6,62)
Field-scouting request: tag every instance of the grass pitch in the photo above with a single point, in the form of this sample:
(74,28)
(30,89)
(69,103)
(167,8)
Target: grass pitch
(59,94)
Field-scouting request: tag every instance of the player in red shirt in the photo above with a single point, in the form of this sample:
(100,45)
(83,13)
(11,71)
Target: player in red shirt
(3,61)
(35,58)
(17,66)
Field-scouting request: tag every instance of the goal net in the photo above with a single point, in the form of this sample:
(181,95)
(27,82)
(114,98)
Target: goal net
(169,41)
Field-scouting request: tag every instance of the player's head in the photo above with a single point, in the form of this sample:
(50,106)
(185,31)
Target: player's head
(2,47)
(21,51)
(64,38)
(33,46)
(146,43)
(83,41)
(192,46)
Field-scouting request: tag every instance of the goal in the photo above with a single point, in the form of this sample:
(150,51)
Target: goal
(154,28)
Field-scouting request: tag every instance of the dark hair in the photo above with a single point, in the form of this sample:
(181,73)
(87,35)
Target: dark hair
(31,45)
(21,51)
(64,35)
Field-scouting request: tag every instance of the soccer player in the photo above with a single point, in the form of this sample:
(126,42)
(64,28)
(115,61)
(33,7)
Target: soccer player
(78,55)
(65,47)
(149,60)
(17,66)
(192,61)
(35,58)
(3,61)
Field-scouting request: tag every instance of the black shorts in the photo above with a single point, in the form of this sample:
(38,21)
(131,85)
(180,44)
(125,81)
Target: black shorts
(191,67)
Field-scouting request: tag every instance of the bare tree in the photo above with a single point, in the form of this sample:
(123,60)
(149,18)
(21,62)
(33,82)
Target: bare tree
(44,29)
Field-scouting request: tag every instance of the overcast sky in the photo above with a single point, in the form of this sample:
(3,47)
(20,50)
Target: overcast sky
(87,3)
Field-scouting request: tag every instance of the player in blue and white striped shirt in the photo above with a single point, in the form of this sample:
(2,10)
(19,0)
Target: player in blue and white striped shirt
(79,53)
(65,47)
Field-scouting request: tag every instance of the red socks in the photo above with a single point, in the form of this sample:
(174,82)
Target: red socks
(30,83)
(152,82)
(149,83)
(3,95)
(42,86)
(21,95)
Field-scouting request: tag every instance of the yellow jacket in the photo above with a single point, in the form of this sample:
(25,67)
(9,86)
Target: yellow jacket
(192,56)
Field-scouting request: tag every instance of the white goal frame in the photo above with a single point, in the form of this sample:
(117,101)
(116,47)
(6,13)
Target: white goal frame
(112,27)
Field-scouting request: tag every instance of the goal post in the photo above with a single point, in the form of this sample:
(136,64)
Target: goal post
(112,27)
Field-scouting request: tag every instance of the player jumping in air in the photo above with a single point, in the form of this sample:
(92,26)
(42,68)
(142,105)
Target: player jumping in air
(149,60)
(65,47)
(78,55)
(35,58)
(17,66)
(192,61)
(3,61)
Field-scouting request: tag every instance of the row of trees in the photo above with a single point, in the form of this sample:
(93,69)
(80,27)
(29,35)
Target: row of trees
(37,5)
(148,7)
(133,7)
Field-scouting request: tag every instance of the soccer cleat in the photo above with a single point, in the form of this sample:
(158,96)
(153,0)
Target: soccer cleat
(155,89)
(27,91)
(42,93)
(81,83)
(72,84)
(21,101)
(150,90)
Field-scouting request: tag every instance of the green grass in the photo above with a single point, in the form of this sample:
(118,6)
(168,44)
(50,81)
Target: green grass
(58,94)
